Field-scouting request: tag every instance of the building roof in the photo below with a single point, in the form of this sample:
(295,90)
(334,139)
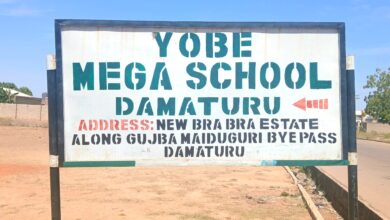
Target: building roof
(13,91)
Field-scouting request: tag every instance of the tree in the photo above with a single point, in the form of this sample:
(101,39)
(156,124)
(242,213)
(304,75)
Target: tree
(378,99)
(3,96)
(8,85)
(7,96)
(25,90)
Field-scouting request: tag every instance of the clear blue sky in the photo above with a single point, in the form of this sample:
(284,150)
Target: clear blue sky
(27,27)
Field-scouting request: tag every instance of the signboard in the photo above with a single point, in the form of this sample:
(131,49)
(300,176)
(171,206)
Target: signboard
(193,93)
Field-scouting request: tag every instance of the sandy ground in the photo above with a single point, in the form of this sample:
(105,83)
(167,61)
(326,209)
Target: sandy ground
(138,193)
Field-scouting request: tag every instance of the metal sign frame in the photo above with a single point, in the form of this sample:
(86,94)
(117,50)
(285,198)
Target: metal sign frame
(339,27)
(56,114)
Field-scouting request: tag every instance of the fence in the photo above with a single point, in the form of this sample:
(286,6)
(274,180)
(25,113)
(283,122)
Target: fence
(23,111)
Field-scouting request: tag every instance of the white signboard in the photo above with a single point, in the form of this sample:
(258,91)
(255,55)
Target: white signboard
(177,95)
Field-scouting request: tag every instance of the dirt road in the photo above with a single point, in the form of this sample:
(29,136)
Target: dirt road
(138,193)
(373,174)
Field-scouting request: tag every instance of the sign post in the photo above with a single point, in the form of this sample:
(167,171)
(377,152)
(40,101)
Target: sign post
(144,93)
(53,145)
(353,199)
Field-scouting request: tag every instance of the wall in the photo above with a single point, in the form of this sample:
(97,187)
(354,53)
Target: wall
(338,196)
(23,111)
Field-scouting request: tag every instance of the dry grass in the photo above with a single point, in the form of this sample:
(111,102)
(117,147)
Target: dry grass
(374,136)
(22,122)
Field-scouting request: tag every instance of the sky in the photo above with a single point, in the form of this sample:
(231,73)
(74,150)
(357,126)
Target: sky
(27,28)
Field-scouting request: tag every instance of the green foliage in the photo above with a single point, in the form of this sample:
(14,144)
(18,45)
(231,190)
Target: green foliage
(25,90)
(8,85)
(6,96)
(378,99)
(3,96)
(284,194)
